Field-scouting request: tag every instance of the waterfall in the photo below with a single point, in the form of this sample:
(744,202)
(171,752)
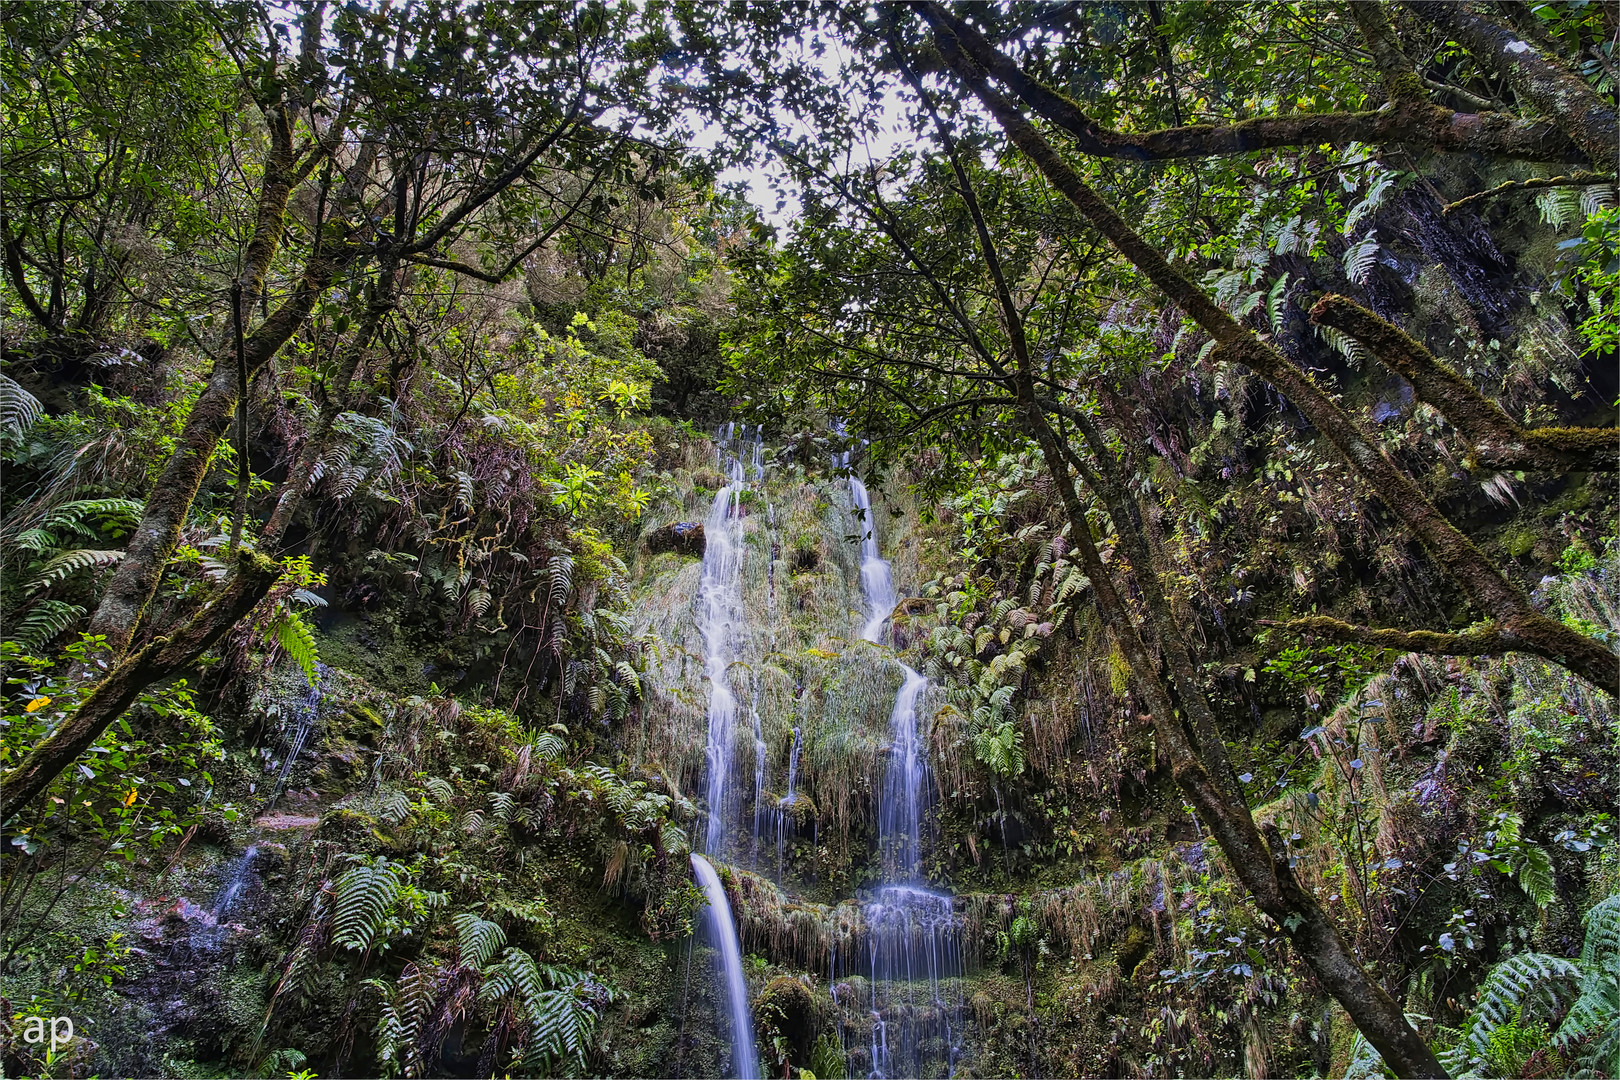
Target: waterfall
(717,914)
(719,617)
(876,581)
(914,940)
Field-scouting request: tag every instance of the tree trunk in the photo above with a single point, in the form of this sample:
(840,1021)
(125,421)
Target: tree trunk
(138,574)
(1505,443)
(1579,110)
(159,660)
(1262,868)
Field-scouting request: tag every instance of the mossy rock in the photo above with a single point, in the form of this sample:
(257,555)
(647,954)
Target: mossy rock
(343,766)
(352,830)
(364,725)
(788,1009)
(1132,949)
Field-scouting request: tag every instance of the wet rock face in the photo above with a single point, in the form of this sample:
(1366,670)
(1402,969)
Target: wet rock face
(681,537)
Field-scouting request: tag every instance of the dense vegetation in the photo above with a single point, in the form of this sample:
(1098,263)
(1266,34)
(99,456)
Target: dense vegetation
(1235,385)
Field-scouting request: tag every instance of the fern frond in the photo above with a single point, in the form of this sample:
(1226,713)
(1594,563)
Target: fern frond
(560,570)
(477,939)
(440,789)
(71,562)
(1602,932)
(44,621)
(126,512)
(1345,345)
(1590,1034)
(394,807)
(364,895)
(1523,986)
(297,640)
(18,408)
(1360,258)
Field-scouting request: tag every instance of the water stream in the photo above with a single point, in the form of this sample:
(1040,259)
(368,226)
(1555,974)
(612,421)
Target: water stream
(913,935)
(721,620)
(723,932)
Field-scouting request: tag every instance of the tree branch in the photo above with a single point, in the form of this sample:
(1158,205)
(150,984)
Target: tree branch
(1411,118)
(1481,421)
(1535,183)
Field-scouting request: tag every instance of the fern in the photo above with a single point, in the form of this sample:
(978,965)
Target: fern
(71,562)
(1277,304)
(364,895)
(124,512)
(1602,932)
(1345,345)
(1590,1034)
(394,807)
(399,1025)
(440,789)
(560,1005)
(1374,199)
(44,621)
(1559,206)
(1596,197)
(1523,987)
(1365,1062)
(560,572)
(297,640)
(1360,258)
(477,939)
(18,408)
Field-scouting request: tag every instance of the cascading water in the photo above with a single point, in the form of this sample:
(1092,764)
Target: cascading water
(876,580)
(719,616)
(913,937)
(717,915)
(720,621)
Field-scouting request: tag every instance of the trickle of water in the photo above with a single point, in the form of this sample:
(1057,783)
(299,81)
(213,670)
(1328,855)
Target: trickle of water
(793,766)
(717,914)
(308,709)
(235,883)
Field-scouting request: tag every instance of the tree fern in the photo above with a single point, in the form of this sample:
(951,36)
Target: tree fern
(363,897)
(477,939)
(297,640)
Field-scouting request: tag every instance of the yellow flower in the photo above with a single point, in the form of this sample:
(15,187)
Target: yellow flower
(129,800)
(37,704)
